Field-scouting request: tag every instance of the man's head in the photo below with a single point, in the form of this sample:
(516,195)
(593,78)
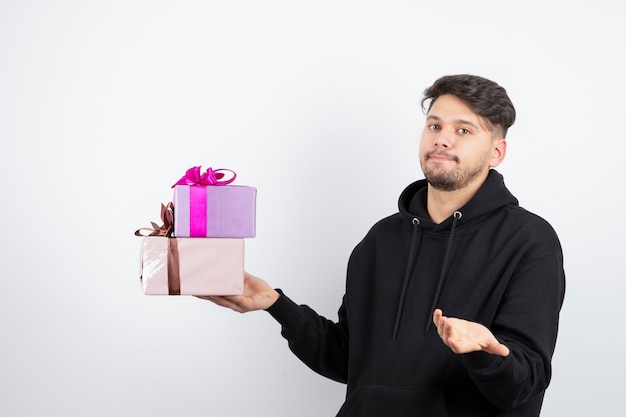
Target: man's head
(486,98)
(466,122)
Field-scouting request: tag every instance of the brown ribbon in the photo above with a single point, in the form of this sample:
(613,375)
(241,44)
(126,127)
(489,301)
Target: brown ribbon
(173,271)
(166,229)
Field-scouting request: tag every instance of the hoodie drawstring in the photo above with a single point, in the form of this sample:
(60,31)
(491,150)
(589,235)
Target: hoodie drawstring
(444,269)
(415,243)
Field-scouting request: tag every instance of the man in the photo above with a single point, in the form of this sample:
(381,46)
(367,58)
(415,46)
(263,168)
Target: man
(452,304)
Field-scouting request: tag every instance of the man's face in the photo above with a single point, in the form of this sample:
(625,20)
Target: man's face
(456,148)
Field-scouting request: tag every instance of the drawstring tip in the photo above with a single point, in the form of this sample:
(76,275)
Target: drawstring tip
(394,336)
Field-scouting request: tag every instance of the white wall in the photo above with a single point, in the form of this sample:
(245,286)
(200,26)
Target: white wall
(104,104)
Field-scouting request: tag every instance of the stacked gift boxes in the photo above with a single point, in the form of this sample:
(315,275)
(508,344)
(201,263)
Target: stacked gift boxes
(199,249)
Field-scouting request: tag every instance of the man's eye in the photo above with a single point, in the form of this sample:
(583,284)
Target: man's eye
(433,127)
(464,131)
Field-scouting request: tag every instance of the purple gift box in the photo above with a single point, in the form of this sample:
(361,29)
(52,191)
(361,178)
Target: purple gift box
(225,211)
(187,266)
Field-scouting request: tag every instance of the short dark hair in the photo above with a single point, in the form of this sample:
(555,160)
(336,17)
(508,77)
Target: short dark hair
(485,97)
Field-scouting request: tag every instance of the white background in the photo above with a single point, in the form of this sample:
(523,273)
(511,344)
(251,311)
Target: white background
(105,104)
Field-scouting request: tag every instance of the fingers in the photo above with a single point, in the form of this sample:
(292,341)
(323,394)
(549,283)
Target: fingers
(498,348)
(437,314)
(440,324)
(231,302)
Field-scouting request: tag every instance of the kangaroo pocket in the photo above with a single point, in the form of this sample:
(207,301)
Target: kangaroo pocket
(381,401)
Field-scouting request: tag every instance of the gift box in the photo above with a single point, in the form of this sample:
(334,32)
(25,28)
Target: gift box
(205,205)
(227,211)
(191,266)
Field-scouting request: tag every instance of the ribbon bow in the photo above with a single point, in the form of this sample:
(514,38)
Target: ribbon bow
(167,217)
(211,176)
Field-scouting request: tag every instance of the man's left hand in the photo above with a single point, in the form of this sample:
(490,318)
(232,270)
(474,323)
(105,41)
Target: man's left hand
(464,336)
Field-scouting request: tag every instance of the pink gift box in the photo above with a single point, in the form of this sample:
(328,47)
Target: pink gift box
(225,211)
(192,266)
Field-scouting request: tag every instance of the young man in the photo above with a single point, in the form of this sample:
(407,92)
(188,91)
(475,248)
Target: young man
(452,304)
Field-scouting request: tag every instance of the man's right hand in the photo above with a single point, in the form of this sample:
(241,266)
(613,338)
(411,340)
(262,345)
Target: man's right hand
(257,295)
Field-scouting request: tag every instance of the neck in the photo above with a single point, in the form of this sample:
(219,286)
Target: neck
(442,204)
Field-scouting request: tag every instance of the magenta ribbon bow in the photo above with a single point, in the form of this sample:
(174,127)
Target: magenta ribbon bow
(194,176)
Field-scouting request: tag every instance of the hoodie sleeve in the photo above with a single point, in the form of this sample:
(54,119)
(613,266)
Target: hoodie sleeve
(527,323)
(318,342)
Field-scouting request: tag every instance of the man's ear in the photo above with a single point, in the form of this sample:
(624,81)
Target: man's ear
(498,152)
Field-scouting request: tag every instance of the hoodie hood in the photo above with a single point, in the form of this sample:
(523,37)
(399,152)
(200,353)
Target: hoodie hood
(491,197)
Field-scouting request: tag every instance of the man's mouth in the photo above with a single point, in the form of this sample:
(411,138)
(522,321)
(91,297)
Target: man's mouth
(441,156)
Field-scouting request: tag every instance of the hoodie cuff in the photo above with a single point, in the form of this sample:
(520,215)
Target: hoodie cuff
(285,311)
(480,361)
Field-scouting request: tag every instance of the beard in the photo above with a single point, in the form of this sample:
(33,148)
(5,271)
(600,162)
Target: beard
(450,179)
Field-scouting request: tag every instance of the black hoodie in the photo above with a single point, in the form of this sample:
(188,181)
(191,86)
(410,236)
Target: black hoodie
(492,262)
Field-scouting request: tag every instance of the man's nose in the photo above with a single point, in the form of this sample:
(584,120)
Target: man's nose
(444,138)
